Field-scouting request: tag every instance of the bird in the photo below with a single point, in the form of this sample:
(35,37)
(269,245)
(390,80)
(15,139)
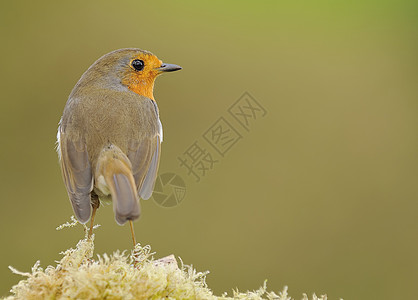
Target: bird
(109,136)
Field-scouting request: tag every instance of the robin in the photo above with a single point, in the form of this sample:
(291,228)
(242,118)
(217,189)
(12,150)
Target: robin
(109,137)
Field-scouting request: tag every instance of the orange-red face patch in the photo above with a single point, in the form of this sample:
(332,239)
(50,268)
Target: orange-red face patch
(142,82)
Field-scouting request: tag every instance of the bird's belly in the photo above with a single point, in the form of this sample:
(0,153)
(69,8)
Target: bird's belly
(102,190)
(102,186)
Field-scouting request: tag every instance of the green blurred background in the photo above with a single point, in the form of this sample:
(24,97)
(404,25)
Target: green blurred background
(320,195)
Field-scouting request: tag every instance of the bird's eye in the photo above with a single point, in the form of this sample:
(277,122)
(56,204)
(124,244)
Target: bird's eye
(138,64)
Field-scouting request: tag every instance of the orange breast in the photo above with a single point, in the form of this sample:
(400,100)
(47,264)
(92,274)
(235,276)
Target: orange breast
(141,86)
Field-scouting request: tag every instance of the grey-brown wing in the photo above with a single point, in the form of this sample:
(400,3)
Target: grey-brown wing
(148,185)
(144,153)
(76,171)
(145,156)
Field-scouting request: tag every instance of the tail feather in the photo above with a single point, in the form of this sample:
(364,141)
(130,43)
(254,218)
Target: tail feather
(116,170)
(125,201)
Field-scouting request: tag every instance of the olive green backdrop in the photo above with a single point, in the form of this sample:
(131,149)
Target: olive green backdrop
(320,194)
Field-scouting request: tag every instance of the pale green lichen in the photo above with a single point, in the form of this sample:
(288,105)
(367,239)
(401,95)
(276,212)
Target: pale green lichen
(122,276)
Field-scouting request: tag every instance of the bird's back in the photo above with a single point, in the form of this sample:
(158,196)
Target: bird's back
(101,117)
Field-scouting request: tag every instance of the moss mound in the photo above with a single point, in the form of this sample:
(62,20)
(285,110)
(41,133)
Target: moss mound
(122,275)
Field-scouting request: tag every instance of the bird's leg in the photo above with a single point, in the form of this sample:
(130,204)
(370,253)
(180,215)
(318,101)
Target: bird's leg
(95,203)
(131,223)
(92,221)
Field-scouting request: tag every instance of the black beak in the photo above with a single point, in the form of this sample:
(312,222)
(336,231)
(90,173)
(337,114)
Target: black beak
(169,68)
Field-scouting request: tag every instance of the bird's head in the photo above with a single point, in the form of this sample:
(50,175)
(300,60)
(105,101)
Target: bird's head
(134,69)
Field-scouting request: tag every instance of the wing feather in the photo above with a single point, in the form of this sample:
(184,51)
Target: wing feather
(148,185)
(144,155)
(139,154)
(77,174)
